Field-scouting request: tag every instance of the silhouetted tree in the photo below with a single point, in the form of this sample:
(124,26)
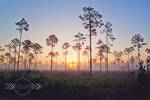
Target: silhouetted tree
(22,25)
(7,55)
(87,48)
(65,47)
(52,41)
(91,20)
(15,43)
(148,62)
(9,46)
(56,55)
(85,54)
(138,42)
(37,49)
(100,52)
(27,45)
(148,51)
(117,58)
(1,49)
(132,60)
(79,40)
(109,36)
(31,57)
(127,52)
(2,58)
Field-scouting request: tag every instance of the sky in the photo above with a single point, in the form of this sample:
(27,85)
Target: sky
(60,17)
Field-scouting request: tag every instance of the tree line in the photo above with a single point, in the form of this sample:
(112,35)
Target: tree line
(25,53)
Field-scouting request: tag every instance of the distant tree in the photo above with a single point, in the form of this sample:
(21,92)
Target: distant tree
(56,55)
(37,49)
(65,52)
(91,20)
(7,56)
(1,49)
(132,60)
(138,42)
(148,51)
(85,54)
(31,57)
(117,58)
(52,40)
(9,46)
(148,62)
(22,25)
(109,36)
(100,52)
(79,40)
(87,49)
(15,43)
(127,52)
(27,45)
(2,59)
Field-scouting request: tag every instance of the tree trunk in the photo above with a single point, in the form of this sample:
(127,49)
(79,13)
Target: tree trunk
(100,63)
(65,62)
(19,50)
(90,46)
(52,58)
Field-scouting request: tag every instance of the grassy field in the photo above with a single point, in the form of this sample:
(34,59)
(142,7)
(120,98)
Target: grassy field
(74,85)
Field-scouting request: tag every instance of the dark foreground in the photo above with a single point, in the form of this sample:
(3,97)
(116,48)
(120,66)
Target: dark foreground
(73,85)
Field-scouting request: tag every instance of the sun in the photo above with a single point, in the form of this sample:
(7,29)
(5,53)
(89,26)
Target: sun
(72,65)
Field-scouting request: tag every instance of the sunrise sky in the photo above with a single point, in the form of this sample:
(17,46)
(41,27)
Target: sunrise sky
(60,17)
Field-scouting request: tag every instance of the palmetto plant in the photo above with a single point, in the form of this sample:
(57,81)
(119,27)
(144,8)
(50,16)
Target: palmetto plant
(22,25)
(91,20)
(79,41)
(15,43)
(109,36)
(138,42)
(52,40)
(100,52)
(65,52)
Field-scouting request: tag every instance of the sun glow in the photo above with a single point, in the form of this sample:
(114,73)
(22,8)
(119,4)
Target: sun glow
(72,65)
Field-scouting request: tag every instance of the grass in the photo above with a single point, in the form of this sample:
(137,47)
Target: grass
(61,85)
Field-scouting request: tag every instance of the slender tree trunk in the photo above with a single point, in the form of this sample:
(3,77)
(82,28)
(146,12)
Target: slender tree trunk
(52,58)
(88,63)
(78,60)
(128,63)
(100,62)
(65,62)
(90,31)
(106,53)
(115,64)
(25,65)
(19,50)
(15,60)
(9,59)
(138,48)
(34,60)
